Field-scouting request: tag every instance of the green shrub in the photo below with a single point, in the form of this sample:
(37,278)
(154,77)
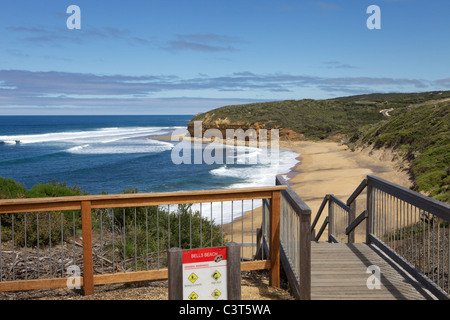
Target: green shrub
(10,189)
(156,229)
(42,228)
(53,189)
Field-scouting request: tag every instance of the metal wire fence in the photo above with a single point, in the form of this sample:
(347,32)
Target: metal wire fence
(118,238)
(418,236)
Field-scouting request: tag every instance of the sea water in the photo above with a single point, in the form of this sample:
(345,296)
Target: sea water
(110,154)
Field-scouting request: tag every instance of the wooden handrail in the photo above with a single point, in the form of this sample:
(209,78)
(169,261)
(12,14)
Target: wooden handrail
(356,222)
(319,212)
(322,229)
(357,192)
(136,199)
(302,285)
(339,203)
(438,208)
(297,203)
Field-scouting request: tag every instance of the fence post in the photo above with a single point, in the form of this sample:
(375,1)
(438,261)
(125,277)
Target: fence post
(369,212)
(234,271)
(88,265)
(351,217)
(175,273)
(274,276)
(305,256)
(330,219)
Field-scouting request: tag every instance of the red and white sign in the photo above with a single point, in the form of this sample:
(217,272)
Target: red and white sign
(205,274)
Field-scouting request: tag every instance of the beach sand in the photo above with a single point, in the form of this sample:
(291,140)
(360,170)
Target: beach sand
(328,168)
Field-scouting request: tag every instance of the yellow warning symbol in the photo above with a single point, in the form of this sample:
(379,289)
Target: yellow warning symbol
(216,294)
(216,275)
(193,277)
(193,296)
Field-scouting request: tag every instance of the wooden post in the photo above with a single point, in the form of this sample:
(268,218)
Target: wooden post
(305,256)
(88,265)
(175,273)
(274,276)
(369,212)
(330,219)
(233,271)
(351,218)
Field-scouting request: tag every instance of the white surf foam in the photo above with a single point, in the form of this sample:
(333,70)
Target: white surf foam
(104,134)
(101,141)
(258,175)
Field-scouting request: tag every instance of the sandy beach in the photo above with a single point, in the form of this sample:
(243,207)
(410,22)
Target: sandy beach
(329,168)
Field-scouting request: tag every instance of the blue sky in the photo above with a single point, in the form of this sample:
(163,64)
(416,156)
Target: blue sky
(185,57)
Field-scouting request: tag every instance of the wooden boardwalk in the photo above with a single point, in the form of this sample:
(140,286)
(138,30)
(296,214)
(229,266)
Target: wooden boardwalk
(339,271)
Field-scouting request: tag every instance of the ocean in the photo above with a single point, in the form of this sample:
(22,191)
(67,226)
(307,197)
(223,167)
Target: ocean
(109,154)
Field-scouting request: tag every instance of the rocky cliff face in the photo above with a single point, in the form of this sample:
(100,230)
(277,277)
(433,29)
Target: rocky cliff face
(224,124)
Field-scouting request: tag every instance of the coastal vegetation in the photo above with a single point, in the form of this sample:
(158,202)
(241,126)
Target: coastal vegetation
(415,126)
(313,119)
(136,229)
(420,135)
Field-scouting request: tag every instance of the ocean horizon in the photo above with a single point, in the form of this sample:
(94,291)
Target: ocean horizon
(111,154)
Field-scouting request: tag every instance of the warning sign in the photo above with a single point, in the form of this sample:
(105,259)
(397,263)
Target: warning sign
(204,274)
(193,277)
(216,275)
(216,294)
(193,296)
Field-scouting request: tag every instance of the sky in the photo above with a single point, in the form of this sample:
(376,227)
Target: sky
(187,57)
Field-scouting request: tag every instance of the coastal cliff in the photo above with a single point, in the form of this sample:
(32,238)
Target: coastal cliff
(285,134)
(314,119)
(411,127)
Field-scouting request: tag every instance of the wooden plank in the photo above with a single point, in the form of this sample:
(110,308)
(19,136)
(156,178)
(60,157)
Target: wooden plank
(34,284)
(39,207)
(120,277)
(123,277)
(339,272)
(135,199)
(256,265)
(184,199)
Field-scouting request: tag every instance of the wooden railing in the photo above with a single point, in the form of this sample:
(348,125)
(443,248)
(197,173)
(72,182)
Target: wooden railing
(85,205)
(295,240)
(412,229)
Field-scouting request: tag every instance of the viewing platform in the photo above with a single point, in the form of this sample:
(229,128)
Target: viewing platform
(340,271)
(405,253)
